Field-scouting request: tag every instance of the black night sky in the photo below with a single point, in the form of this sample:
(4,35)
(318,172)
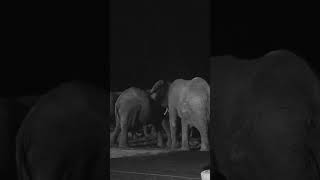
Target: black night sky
(152,40)
(249,30)
(48,43)
(156,39)
(135,43)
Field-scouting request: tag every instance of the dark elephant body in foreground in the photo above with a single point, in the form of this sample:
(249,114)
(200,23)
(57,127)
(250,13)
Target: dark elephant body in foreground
(265,119)
(190,101)
(133,110)
(11,116)
(64,136)
(113,96)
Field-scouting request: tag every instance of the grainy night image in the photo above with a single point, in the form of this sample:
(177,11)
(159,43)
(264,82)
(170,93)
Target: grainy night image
(264,77)
(159,73)
(53,117)
(160,90)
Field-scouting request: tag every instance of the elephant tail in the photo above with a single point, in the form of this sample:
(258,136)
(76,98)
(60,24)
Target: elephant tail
(22,170)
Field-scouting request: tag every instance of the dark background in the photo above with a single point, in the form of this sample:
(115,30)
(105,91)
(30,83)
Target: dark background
(47,43)
(251,29)
(158,39)
(153,40)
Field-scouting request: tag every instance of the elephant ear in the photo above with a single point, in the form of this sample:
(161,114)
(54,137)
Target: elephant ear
(156,87)
(159,92)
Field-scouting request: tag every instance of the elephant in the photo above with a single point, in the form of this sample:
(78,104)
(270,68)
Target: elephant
(190,101)
(134,109)
(12,113)
(266,119)
(64,135)
(113,98)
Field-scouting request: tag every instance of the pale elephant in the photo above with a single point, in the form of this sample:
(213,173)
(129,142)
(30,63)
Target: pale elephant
(134,109)
(190,101)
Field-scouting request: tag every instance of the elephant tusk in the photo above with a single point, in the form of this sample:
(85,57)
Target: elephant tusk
(165,112)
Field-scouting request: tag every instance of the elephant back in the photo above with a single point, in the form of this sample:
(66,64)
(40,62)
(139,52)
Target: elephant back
(181,87)
(200,83)
(132,98)
(202,88)
(177,87)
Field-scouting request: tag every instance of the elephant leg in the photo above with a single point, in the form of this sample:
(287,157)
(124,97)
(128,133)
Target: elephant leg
(203,129)
(191,132)
(123,141)
(154,130)
(184,134)
(173,127)
(204,141)
(145,131)
(166,127)
(159,138)
(115,134)
(118,137)
(134,135)
(130,135)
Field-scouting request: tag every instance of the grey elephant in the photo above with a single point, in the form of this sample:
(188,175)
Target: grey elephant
(134,109)
(12,113)
(190,101)
(266,119)
(64,135)
(113,98)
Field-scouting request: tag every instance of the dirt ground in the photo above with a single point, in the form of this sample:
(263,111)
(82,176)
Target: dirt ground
(118,153)
(144,146)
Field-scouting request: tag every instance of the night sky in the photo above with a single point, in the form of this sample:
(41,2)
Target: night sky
(135,43)
(249,30)
(152,40)
(47,43)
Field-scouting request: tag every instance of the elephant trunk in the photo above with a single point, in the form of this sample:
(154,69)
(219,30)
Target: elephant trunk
(165,113)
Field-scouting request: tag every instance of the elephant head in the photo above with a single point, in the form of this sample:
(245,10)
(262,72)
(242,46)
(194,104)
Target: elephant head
(159,92)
